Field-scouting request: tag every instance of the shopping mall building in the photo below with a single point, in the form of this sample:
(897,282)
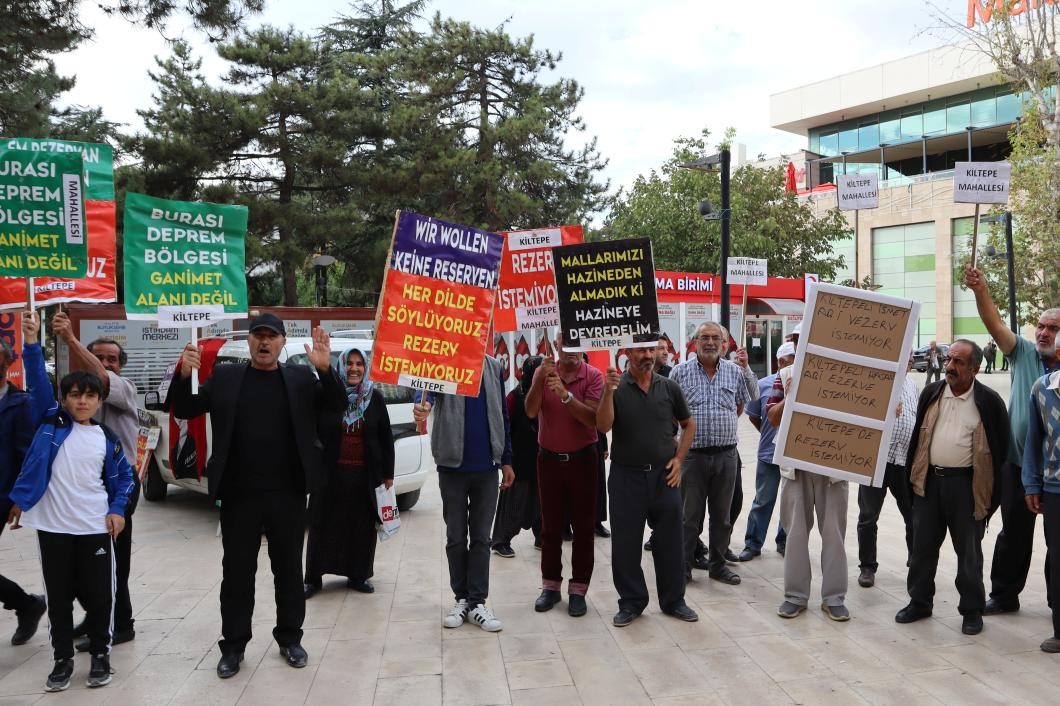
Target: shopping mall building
(909,121)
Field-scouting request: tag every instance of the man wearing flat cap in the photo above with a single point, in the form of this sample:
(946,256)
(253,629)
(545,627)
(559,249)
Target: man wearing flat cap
(265,458)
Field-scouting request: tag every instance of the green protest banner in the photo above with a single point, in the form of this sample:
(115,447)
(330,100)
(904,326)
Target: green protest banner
(184,261)
(97,158)
(42,214)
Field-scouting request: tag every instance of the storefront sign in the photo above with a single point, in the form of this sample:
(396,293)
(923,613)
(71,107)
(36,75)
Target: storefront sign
(981,182)
(42,214)
(184,257)
(434,310)
(606,294)
(526,297)
(858,191)
(846,383)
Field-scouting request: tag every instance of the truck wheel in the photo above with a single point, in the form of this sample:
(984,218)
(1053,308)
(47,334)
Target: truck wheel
(154,487)
(405,501)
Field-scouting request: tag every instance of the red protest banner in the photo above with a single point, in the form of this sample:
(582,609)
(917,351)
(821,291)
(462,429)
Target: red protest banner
(11,332)
(432,323)
(526,296)
(97,286)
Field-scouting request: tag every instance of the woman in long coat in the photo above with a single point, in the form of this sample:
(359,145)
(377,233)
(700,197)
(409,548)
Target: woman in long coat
(359,455)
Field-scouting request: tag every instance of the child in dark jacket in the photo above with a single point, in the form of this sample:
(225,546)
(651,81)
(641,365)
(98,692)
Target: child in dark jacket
(73,488)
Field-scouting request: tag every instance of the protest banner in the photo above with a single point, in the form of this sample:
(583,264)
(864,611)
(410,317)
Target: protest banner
(745,271)
(858,191)
(97,161)
(526,296)
(11,333)
(184,261)
(846,383)
(606,294)
(146,440)
(434,310)
(979,183)
(42,214)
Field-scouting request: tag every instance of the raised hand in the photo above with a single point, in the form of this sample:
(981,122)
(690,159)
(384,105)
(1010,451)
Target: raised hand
(320,354)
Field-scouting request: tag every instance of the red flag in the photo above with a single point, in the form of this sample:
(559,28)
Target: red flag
(789,183)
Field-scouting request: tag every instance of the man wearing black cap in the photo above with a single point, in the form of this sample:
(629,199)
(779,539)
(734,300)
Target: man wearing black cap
(265,458)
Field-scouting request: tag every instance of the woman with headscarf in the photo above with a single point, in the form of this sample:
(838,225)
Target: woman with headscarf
(359,456)
(517,506)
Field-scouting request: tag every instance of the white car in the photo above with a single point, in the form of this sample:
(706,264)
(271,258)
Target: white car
(412,447)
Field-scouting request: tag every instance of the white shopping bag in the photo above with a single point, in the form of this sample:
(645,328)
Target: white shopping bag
(386,507)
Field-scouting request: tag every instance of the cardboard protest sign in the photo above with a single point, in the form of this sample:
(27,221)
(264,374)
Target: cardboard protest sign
(184,261)
(526,296)
(748,270)
(981,182)
(434,310)
(858,191)
(42,214)
(847,379)
(606,294)
(98,284)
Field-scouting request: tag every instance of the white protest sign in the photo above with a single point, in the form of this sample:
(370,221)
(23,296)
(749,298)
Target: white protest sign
(748,270)
(857,191)
(190,316)
(981,182)
(850,366)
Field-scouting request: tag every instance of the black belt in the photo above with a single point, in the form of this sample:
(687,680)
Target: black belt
(643,467)
(950,471)
(565,457)
(708,450)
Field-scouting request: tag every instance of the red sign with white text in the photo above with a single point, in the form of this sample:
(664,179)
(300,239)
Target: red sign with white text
(97,286)
(526,295)
(11,332)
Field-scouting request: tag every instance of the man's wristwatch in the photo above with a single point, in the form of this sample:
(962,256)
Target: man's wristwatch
(568,398)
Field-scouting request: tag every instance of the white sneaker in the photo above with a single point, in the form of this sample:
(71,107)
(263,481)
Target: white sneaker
(456,614)
(484,618)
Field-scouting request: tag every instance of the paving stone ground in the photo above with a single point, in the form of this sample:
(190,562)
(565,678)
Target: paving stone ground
(390,648)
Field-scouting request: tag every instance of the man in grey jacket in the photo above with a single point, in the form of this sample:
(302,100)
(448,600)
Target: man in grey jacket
(470,441)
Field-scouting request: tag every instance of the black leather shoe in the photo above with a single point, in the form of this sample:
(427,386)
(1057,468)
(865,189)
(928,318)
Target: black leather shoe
(700,562)
(576,607)
(683,613)
(731,557)
(361,586)
(29,620)
(995,607)
(726,575)
(781,548)
(546,600)
(623,618)
(647,545)
(972,624)
(228,666)
(867,578)
(311,589)
(568,535)
(748,554)
(119,637)
(912,613)
(602,531)
(295,655)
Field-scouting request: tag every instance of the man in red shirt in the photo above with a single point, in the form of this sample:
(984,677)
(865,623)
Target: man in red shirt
(564,397)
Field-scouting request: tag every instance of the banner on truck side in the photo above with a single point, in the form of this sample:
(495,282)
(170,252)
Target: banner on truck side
(846,382)
(526,297)
(434,309)
(184,261)
(606,294)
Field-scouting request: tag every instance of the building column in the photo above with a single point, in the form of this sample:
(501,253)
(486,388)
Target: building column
(943,278)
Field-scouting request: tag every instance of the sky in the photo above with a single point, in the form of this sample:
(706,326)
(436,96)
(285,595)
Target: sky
(651,71)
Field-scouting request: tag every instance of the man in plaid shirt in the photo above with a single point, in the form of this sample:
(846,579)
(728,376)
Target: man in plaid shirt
(716,393)
(896,479)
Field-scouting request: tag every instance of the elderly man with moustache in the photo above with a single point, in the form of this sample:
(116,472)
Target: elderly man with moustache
(959,441)
(640,406)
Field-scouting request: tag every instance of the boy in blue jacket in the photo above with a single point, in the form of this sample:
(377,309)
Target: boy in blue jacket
(73,488)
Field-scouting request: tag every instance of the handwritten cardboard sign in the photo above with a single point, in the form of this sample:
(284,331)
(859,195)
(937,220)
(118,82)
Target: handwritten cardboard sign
(434,310)
(857,191)
(981,182)
(526,295)
(606,294)
(846,383)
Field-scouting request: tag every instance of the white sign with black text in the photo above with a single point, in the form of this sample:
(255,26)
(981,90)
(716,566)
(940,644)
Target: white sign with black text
(981,182)
(748,271)
(858,191)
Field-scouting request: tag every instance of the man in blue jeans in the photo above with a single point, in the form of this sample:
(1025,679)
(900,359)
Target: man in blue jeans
(470,440)
(767,476)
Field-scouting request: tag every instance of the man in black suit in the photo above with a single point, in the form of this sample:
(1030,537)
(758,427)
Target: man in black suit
(266,457)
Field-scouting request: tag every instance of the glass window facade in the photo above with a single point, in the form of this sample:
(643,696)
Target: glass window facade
(845,247)
(903,265)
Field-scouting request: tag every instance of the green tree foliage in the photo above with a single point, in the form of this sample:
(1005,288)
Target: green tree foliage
(766,221)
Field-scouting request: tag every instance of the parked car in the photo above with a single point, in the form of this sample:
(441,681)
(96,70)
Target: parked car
(920,356)
(412,447)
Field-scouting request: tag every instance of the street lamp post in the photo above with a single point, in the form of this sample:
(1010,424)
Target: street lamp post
(722,160)
(1010,264)
(320,264)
